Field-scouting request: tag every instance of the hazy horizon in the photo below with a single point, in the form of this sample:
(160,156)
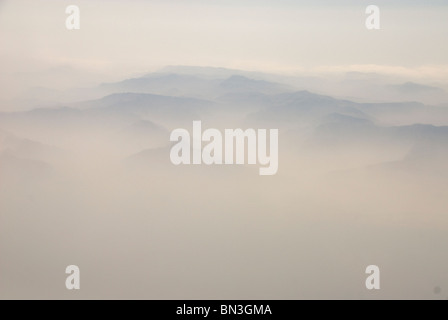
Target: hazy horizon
(119,41)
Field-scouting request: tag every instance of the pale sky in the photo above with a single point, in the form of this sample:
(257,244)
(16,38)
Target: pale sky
(119,38)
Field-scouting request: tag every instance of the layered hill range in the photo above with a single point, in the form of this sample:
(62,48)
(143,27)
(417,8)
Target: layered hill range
(135,116)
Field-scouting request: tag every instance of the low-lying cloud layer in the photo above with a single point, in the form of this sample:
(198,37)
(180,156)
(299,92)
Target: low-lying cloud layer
(92,184)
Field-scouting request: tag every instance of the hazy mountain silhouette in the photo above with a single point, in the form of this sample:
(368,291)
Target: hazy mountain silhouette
(183,85)
(411,87)
(305,106)
(14,146)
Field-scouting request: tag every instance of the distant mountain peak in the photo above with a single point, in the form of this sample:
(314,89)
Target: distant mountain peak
(412,87)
